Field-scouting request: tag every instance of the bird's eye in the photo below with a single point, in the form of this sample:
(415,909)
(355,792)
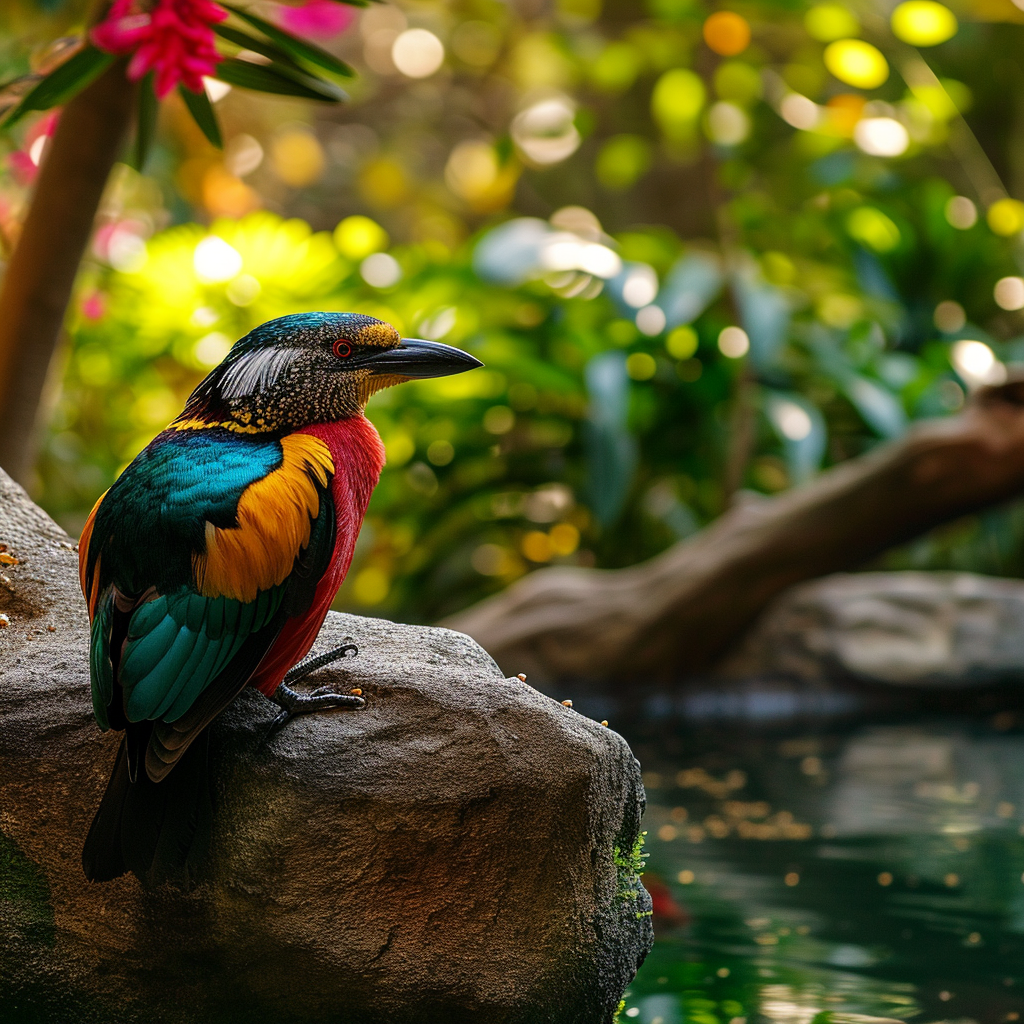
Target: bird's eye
(342,349)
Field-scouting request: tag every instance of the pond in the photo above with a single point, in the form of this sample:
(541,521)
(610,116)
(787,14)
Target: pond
(813,859)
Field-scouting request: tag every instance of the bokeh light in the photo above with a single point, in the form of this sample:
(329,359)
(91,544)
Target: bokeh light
(297,157)
(641,366)
(381,270)
(856,63)
(215,260)
(961,213)
(727,33)
(976,363)
(949,316)
(737,81)
(676,101)
(210,349)
(727,124)
(733,342)
(417,53)
(545,133)
(828,22)
(622,161)
(476,43)
(641,286)
(873,229)
(357,236)
(242,154)
(923,23)
(794,422)
(881,136)
(800,112)
(1009,293)
(474,173)
(1006,217)
(681,342)
(651,320)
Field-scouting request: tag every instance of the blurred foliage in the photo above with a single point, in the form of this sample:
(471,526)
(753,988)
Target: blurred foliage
(700,255)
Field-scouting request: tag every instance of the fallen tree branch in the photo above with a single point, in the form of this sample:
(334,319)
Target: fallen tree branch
(41,274)
(676,613)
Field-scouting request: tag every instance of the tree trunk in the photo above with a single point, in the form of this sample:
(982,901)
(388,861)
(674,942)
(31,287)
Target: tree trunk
(675,614)
(41,274)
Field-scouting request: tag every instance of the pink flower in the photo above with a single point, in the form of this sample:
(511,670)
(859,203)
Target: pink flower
(319,19)
(94,306)
(24,163)
(23,167)
(176,41)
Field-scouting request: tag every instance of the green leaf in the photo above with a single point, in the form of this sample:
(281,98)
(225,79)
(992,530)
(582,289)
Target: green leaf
(145,122)
(63,82)
(297,48)
(277,78)
(201,109)
(257,45)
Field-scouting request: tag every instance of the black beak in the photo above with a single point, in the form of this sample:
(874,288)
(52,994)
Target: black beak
(414,358)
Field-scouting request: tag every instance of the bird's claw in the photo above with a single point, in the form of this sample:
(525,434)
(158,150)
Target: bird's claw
(293,703)
(309,665)
(325,698)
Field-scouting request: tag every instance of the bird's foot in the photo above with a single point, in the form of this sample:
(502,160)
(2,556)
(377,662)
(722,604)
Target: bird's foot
(293,703)
(312,664)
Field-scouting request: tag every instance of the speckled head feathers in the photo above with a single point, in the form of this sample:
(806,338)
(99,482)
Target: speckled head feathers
(312,368)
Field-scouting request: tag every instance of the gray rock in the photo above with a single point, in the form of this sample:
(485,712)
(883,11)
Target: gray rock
(909,628)
(458,850)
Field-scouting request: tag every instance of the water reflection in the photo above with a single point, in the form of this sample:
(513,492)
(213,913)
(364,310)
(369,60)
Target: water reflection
(836,874)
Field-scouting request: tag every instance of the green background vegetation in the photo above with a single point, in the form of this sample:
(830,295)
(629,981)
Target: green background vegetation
(587,440)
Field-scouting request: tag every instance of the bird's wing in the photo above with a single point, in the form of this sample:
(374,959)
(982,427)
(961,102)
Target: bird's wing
(175,652)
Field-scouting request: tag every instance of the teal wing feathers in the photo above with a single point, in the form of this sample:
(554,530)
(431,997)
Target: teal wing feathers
(178,643)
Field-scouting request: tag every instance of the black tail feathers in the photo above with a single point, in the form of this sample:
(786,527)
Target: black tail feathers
(160,831)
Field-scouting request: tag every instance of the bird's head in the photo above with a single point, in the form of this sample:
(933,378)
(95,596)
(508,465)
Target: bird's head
(315,368)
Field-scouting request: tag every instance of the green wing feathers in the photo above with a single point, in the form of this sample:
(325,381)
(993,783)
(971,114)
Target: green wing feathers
(179,643)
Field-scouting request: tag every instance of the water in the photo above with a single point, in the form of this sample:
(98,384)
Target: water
(843,869)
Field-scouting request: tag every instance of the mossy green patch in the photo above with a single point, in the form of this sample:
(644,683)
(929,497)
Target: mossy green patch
(25,905)
(629,866)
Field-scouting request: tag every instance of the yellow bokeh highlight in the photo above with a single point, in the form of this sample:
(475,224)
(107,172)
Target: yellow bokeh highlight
(615,68)
(737,81)
(383,182)
(1006,217)
(536,545)
(538,62)
(297,158)
(923,23)
(474,173)
(564,539)
(873,229)
(371,585)
(856,63)
(356,237)
(641,366)
(828,22)
(677,100)
(440,452)
(681,342)
(727,33)
(623,159)
(399,448)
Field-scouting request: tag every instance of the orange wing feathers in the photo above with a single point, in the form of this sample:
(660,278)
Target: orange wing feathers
(92,593)
(274,516)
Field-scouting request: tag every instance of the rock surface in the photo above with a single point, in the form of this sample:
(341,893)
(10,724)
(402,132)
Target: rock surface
(911,628)
(455,851)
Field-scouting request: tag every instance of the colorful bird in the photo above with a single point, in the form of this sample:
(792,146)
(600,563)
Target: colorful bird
(211,562)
